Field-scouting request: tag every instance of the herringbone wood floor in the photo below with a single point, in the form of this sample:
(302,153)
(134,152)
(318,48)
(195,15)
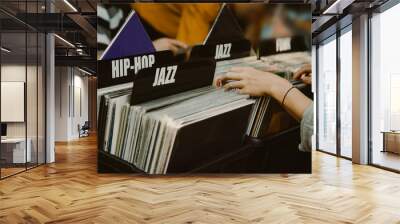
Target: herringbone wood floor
(70,191)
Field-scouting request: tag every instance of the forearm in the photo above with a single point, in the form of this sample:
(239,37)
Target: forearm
(295,102)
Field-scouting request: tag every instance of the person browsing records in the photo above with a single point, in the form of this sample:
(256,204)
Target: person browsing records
(261,83)
(175,26)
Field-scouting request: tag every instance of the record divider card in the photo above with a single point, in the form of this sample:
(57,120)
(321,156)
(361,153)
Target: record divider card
(123,69)
(281,45)
(223,50)
(169,79)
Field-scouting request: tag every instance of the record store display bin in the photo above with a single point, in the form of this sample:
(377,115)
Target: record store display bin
(168,118)
(267,147)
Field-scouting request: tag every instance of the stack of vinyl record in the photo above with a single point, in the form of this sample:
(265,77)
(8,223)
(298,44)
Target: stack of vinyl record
(109,116)
(251,61)
(149,133)
(287,63)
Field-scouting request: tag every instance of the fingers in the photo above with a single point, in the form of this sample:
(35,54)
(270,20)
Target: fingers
(169,44)
(303,70)
(217,82)
(298,74)
(159,46)
(178,43)
(234,85)
(243,91)
(306,79)
(173,48)
(231,76)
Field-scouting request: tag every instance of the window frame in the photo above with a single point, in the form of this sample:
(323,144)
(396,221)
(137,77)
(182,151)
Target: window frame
(381,9)
(337,34)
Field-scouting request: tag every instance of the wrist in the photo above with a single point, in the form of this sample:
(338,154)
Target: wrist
(279,90)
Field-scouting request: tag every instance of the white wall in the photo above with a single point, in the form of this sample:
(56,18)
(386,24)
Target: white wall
(33,127)
(62,81)
(16,73)
(80,84)
(13,72)
(70,83)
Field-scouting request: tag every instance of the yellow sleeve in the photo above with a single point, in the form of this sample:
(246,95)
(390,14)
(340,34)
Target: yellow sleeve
(163,17)
(196,20)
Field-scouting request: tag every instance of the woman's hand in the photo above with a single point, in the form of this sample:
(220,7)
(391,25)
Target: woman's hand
(304,74)
(173,45)
(260,83)
(254,82)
